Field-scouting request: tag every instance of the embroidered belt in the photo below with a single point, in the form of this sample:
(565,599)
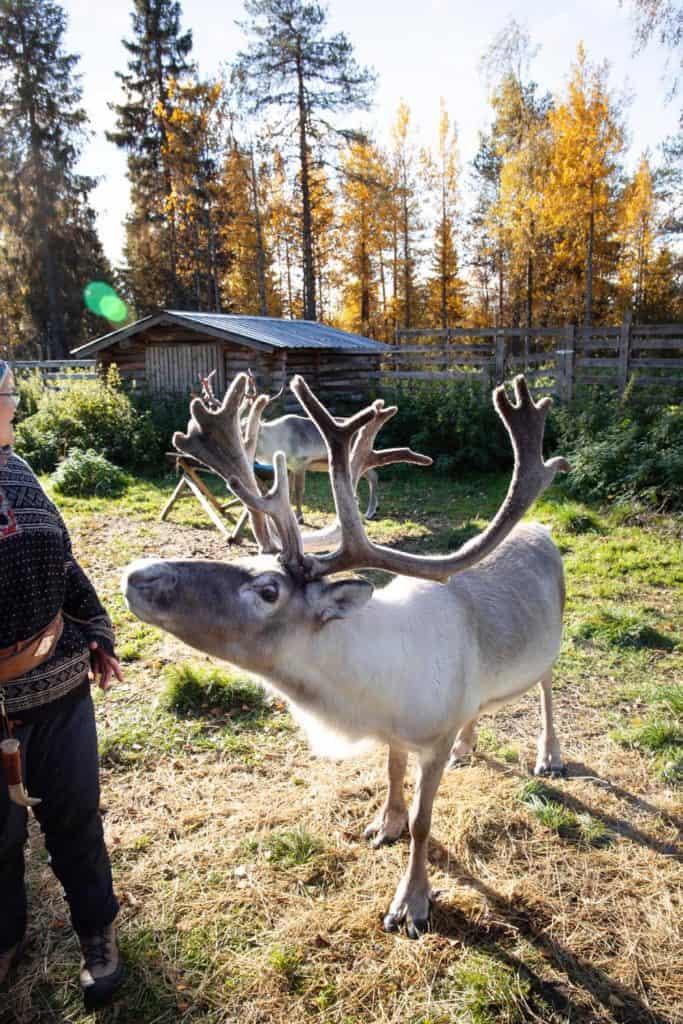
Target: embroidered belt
(20,658)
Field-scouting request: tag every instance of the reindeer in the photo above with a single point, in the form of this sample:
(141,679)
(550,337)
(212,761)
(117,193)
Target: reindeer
(411,665)
(300,440)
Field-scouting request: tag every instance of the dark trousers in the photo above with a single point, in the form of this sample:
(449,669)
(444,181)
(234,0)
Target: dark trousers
(60,765)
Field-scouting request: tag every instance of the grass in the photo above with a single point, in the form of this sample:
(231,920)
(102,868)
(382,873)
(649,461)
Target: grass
(291,847)
(247,891)
(551,812)
(192,689)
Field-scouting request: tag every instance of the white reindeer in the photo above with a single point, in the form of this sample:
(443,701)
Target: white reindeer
(411,665)
(304,448)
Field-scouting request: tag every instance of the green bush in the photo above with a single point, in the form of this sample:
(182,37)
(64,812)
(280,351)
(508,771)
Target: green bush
(622,449)
(87,474)
(84,414)
(452,421)
(128,428)
(31,388)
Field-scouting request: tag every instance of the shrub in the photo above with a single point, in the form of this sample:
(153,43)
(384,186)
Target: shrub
(84,474)
(622,448)
(453,421)
(85,414)
(129,428)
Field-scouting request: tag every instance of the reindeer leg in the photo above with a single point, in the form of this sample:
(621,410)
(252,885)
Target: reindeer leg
(373,502)
(465,744)
(412,900)
(299,478)
(549,760)
(392,817)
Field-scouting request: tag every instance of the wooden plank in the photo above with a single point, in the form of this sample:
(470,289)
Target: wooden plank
(593,361)
(596,346)
(651,379)
(420,375)
(174,497)
(664,364)
(658,329)
(533,359)
(665,344)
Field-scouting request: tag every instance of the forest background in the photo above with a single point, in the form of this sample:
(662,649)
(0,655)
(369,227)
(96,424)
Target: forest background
(264,187)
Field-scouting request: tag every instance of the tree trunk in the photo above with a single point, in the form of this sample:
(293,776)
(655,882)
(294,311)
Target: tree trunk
(588,309)
(307,227)
(55,341)
(500,290)
(364,288)
(166,174)
(260,254)
(407,283)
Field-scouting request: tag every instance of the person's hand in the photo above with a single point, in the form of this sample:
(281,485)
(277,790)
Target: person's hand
(104,665)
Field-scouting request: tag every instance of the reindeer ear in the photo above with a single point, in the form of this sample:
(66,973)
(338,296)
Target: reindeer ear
(337,600)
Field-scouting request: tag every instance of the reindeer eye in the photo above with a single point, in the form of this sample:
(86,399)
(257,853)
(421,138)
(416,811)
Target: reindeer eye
(269,593)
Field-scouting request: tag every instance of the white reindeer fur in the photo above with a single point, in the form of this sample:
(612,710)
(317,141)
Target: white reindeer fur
(410,667)
(422,659)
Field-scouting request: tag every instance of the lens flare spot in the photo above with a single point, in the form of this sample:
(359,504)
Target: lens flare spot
(101,299)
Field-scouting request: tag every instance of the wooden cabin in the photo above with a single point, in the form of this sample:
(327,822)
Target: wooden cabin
(167,352)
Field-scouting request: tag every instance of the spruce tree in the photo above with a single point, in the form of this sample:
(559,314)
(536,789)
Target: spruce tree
(159,53)
(291,66)
(49,244)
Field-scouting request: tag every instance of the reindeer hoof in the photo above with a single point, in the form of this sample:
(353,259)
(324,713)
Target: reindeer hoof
(391,923)
(417,928)
(551,771)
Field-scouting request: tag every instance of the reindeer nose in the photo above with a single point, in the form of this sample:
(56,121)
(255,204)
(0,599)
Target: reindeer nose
(148,576)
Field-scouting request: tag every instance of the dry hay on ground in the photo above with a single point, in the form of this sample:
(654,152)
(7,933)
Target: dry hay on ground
(549,928)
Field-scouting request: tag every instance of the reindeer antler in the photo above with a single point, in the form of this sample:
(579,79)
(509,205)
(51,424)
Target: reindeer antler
(213,436)
(524,423)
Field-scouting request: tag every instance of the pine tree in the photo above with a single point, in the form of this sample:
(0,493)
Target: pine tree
(245,189)
(193,129)
(408,224)
(636,230)
(49,244)
(445,290)
(159,53)
(509,170)
(364,237)
(581,193)
(291,66)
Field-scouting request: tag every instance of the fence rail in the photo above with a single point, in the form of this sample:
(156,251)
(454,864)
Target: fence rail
(555,359)
(55,370)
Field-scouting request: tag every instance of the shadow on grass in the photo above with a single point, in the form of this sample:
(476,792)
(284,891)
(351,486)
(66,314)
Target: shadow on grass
(617,825)
(621,1003)
(146,995)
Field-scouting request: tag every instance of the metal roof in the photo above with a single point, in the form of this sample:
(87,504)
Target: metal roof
(253,331)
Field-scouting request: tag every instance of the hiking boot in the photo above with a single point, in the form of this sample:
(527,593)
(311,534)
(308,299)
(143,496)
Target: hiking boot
(101,966)
(8,960)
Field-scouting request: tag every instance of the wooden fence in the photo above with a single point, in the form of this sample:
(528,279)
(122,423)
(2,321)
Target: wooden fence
(557,360)
(55,370)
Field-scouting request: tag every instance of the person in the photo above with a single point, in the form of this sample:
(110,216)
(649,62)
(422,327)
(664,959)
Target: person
(55,637)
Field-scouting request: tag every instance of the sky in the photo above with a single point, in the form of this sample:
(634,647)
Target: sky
(420,52)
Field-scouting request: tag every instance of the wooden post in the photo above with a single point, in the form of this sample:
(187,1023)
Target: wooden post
(500,358)
(565,363)
(624,351)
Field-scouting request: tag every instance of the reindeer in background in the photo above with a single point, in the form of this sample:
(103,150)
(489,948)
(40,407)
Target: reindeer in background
(296,436)
(412,665)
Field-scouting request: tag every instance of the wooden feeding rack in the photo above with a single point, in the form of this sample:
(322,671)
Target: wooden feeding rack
(189,471)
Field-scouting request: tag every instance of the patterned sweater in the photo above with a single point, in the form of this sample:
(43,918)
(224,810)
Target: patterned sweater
(39,576)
